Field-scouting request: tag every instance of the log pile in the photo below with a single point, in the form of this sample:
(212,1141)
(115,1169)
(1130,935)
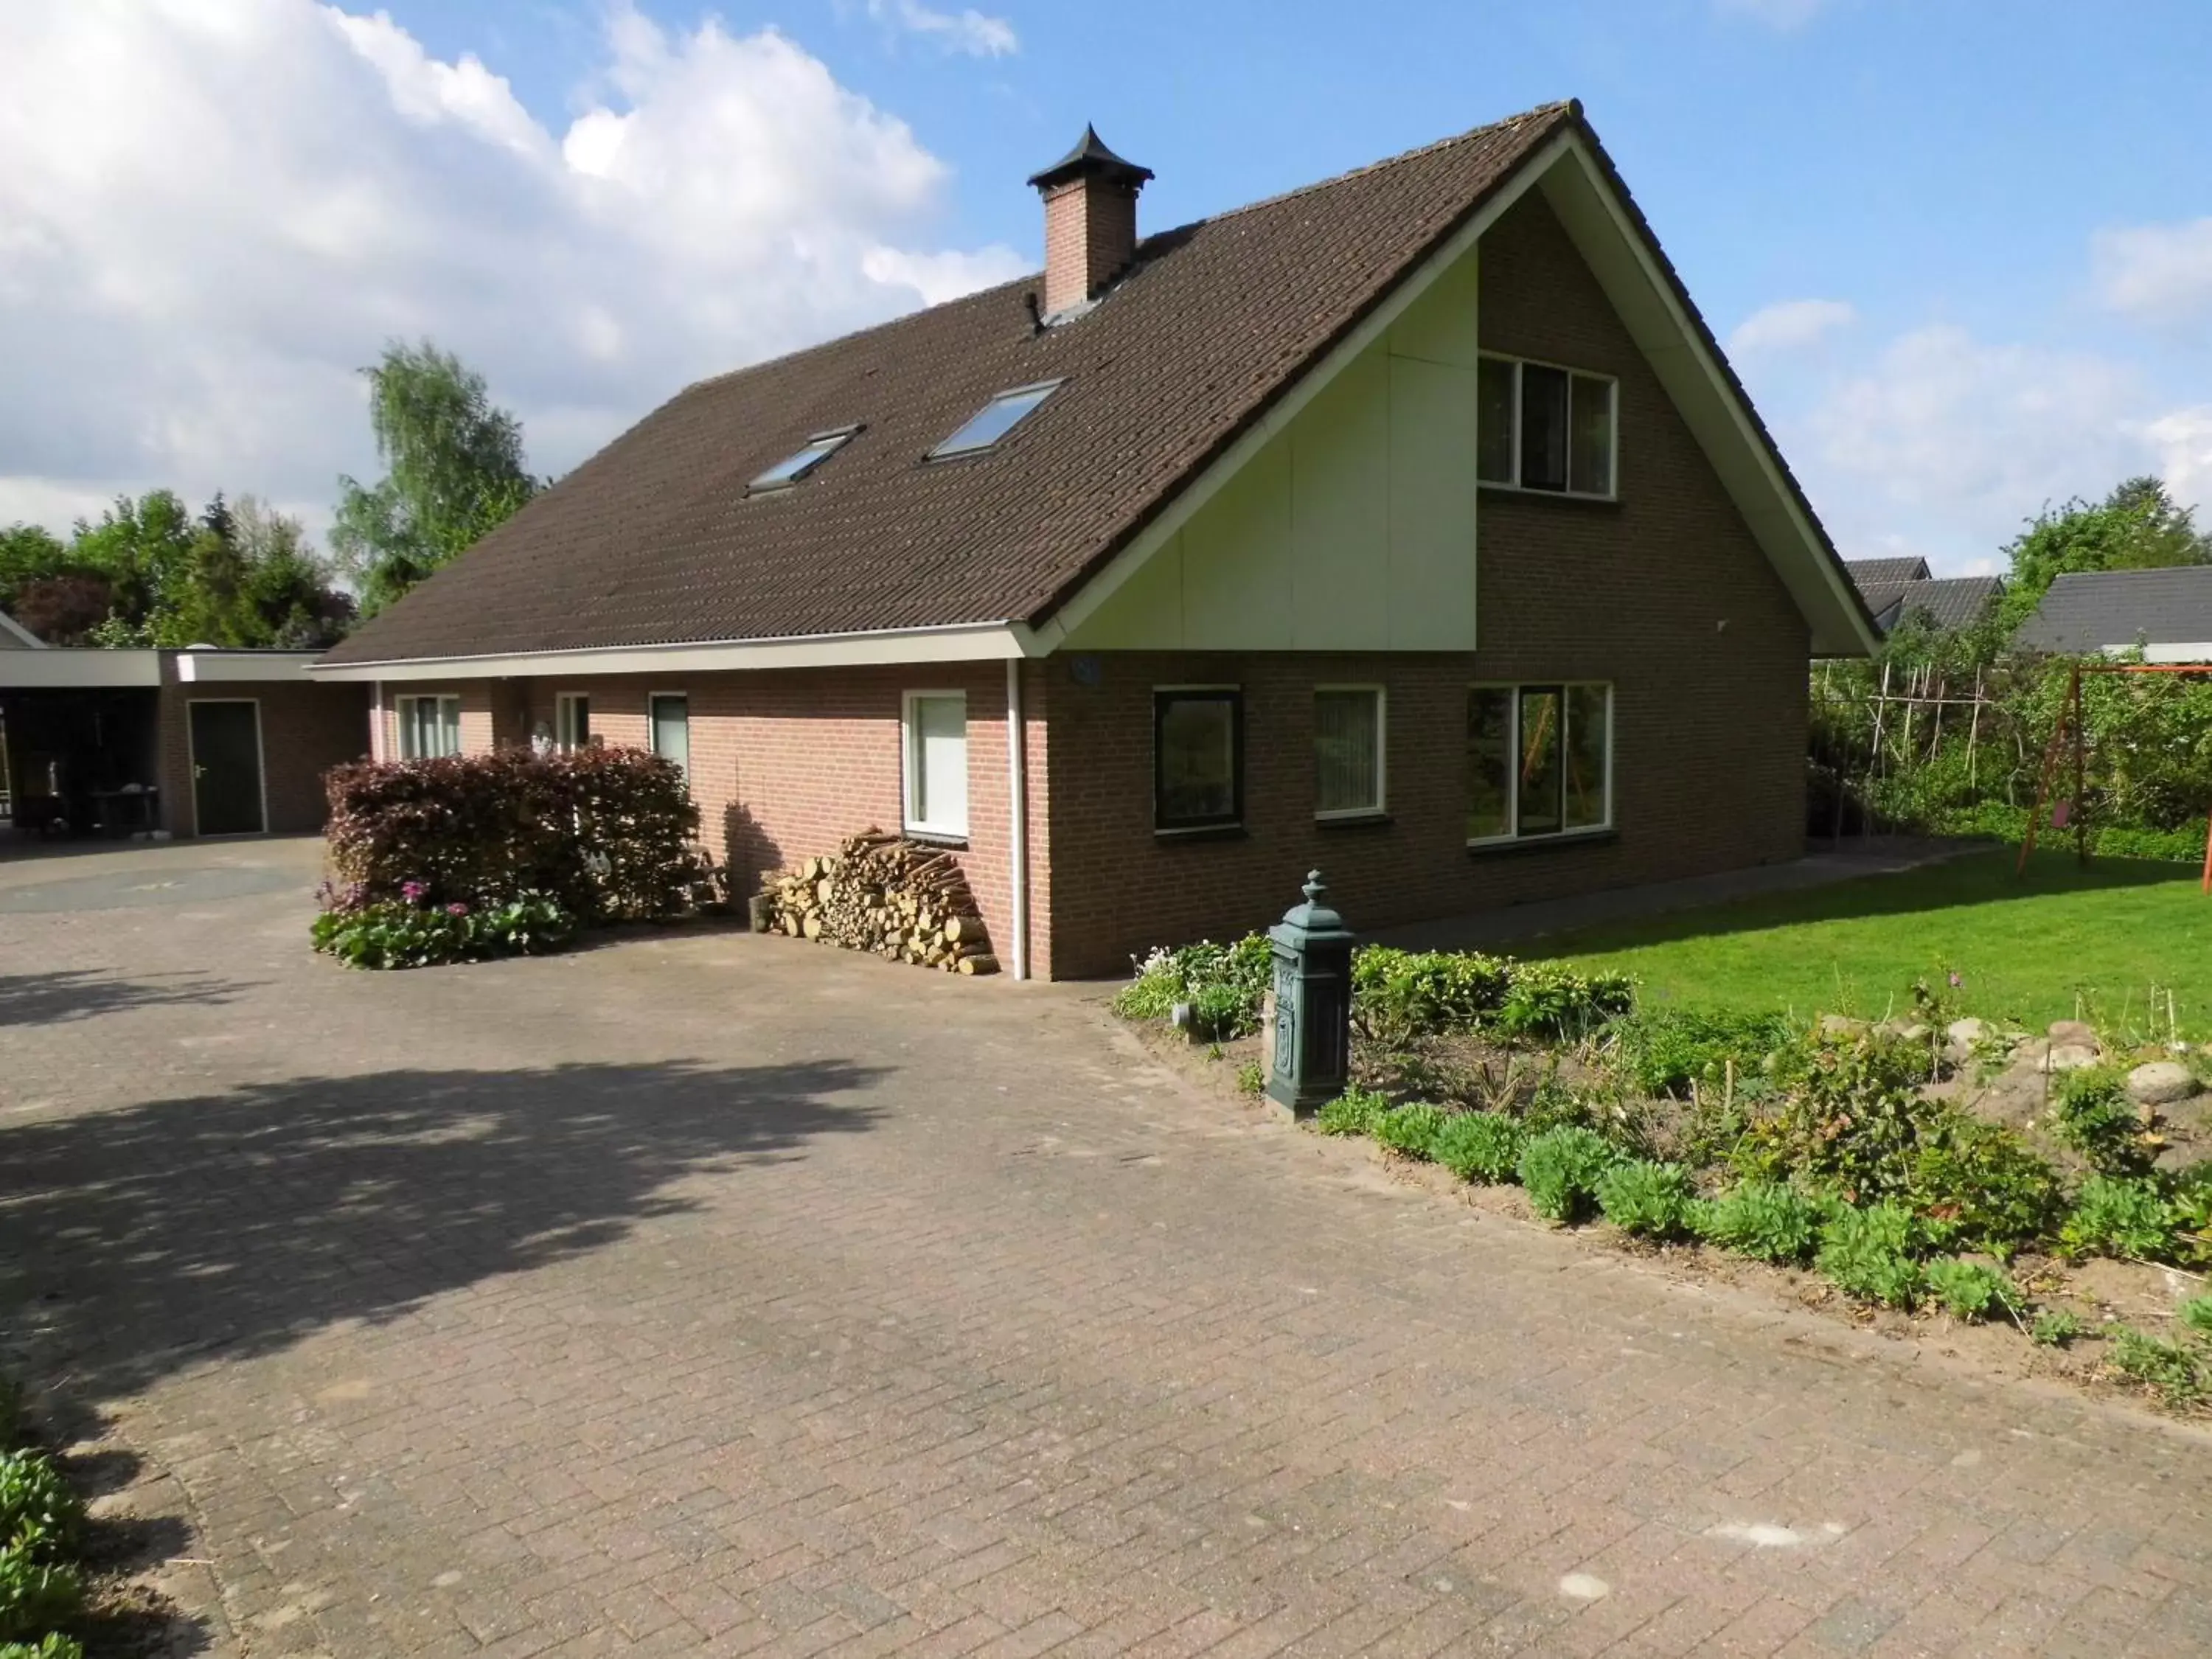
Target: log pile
(880,892)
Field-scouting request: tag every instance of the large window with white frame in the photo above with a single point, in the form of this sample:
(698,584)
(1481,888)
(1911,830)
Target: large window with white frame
(1544,427)
(1348,751)
(572,721)
(1539,760)
(429,726)
(934,737)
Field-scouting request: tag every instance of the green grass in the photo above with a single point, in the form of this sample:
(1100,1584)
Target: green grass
(2033,950)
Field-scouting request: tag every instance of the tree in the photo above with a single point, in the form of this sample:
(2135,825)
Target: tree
(287,585)
(454,473)
(2139,526)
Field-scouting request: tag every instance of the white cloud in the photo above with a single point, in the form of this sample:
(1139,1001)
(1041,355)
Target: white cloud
(2155,273)
(967,31)
(1775,14)
(2182,441)
(1948,443)
(1790,325)
(212,212)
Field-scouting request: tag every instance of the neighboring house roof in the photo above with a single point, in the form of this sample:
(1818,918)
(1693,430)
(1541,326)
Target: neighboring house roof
(654,541)
(1870,573)
(14,636)
(2169,612)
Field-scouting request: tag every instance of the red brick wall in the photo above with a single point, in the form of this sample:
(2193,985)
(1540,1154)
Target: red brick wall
(787,762)
(305,729)
(1709,719)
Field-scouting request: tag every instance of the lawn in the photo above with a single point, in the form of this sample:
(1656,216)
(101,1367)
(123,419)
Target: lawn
(2064,940)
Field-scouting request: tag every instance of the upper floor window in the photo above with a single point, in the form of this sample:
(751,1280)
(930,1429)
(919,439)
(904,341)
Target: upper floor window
(1540,427)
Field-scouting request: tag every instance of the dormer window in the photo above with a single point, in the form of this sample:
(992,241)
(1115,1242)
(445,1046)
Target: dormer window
(787,472)
(994,421)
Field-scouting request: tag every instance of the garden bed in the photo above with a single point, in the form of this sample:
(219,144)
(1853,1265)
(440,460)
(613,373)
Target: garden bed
(2038,1201)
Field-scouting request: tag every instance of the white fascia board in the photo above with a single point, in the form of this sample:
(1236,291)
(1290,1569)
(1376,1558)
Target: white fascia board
(194,667)
(1225,467)
(84,667)
(976,642)
(1616,251)
(2175,651)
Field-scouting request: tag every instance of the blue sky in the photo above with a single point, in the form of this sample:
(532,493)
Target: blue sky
(1960,251)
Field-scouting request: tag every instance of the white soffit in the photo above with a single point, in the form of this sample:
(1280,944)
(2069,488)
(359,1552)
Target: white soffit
(197,666)
(987,642)
(79,667)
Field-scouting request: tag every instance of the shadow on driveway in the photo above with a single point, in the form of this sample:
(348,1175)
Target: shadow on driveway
(81,994)
(135,1241)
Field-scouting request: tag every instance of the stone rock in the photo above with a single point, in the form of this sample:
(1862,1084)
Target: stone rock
(2161,1082)
(2031,1052)
(1913,1031)
(2069,1057)
(1962,1036)
(2075,1031)
(1842,1025)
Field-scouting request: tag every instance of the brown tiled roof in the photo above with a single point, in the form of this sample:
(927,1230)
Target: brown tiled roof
(653,540)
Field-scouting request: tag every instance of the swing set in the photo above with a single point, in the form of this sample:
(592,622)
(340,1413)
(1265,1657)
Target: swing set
(2069,731)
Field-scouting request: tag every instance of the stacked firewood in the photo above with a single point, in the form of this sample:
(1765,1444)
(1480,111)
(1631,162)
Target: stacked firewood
(881,892)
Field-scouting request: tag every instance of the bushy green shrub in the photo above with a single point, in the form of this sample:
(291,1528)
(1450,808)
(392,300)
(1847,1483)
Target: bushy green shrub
(1868,1253)
(37,1591)
(2120,1216)
(1548,1002)
(2167,1369)
(1225,984)
(1665,1050)
(2091,1113)
(1561,1169)
(1400,994)
(606,832)
(1410,1129)
(36,1501)
(410,933)
(1850,1117)
(53,1645)
(1983,1185)
(1479,1145)
(1769,1220)
(1649,1199)
(1970,1289)
(1354,1112)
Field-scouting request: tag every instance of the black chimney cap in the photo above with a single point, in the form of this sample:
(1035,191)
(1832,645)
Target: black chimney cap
(1091,157)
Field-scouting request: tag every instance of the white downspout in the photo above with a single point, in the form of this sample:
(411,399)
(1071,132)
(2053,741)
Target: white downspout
(376,741)
(1018,815)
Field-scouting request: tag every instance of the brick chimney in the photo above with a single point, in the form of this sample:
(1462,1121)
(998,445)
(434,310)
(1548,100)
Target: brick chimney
(1090,222)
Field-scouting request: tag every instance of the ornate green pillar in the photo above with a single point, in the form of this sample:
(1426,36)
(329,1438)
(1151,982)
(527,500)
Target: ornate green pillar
(1312,1058)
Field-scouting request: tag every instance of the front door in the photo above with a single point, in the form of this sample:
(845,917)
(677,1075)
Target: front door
(226,768)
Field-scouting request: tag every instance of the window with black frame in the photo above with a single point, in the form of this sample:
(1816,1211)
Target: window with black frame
(1198,758)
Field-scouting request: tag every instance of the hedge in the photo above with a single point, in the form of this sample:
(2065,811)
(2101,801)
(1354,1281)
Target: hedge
(605,832)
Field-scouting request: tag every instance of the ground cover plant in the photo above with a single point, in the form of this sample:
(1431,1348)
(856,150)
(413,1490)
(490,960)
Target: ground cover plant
(41,1533)
(472,856)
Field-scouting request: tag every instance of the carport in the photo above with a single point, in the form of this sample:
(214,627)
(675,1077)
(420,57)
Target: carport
(195,742)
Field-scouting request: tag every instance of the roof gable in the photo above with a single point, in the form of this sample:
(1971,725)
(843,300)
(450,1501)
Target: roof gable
(1169,382)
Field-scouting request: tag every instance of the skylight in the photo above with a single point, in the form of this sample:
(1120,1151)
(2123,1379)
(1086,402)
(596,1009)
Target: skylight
(994,421)
(818,448)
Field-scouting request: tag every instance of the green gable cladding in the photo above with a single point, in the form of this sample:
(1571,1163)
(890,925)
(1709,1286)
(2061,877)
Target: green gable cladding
(1352,529)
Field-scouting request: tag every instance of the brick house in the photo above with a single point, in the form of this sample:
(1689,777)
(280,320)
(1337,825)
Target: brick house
(1410,525)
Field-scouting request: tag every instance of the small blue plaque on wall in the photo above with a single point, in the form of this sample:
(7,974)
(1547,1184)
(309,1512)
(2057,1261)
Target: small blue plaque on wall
(1088,672)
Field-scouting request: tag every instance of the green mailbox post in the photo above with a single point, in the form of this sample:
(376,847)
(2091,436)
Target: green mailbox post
(1312,1056)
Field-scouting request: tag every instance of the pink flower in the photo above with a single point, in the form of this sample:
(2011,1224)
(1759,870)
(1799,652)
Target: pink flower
(457,909)
(412,892)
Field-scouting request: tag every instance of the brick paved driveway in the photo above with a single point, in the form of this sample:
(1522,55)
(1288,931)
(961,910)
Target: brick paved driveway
(715,1294)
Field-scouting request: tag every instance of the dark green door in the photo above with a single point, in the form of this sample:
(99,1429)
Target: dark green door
(226,768)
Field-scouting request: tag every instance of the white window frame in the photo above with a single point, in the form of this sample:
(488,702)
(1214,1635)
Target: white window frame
(1613,435)
(910,760)
(1381,804)
(653,728)
(1513,837)
(564,721)
(402,715)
